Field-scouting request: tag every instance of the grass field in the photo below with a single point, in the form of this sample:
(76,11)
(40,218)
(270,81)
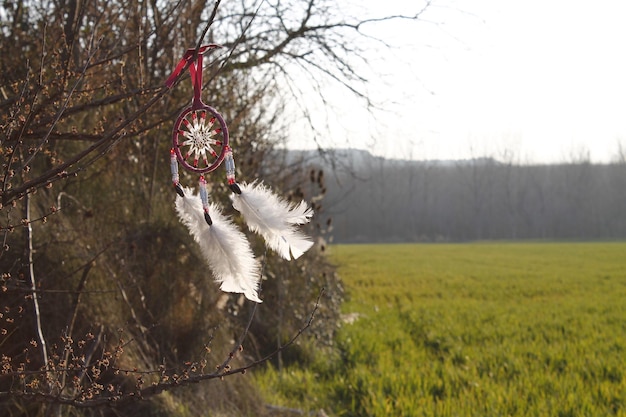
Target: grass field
(481,329)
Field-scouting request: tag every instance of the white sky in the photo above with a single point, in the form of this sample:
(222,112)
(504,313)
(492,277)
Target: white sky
(544,81)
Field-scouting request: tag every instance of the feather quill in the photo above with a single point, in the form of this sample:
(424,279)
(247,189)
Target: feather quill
(274,218)
(224,247)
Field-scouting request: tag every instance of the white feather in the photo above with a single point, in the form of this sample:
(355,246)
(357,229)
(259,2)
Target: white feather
(274,218)
(224,247)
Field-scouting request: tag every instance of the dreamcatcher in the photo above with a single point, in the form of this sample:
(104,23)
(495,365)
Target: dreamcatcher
(200,143)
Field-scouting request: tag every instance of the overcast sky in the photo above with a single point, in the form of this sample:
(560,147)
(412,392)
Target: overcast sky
(544,81)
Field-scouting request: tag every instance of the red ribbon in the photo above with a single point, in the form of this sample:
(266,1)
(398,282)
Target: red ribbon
(195,68)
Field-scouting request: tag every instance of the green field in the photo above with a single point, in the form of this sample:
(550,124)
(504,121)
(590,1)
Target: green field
(481,329)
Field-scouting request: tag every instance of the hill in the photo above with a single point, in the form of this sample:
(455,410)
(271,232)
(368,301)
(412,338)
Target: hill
(373,199)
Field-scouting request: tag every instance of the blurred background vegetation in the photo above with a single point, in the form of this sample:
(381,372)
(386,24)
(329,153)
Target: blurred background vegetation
(87,222)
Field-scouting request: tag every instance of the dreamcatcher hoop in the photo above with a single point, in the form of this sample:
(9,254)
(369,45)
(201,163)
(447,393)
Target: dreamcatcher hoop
(200,134)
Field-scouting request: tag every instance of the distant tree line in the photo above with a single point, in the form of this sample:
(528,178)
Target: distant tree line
(372,199)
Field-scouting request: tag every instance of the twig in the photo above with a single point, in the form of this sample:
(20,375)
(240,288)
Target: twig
(70,326)
(223,371)
(243,336)
(31,276)
(45,139)
(282,347)
(160,387)
(206,27)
